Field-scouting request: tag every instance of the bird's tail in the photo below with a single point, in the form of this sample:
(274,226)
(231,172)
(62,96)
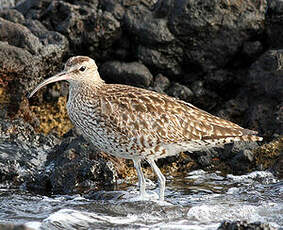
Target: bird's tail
(250,135)
(223,135)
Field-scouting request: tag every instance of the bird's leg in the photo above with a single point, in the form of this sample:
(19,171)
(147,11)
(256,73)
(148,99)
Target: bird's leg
(137,164)
(161,178)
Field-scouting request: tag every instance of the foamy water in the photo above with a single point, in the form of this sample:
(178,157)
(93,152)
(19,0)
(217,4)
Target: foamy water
(201,200)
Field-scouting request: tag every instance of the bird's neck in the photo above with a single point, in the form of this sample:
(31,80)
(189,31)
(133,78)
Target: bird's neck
(88,88)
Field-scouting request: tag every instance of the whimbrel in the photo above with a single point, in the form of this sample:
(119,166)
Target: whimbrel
(139,124)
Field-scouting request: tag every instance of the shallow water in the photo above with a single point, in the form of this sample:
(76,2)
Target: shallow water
(199,200)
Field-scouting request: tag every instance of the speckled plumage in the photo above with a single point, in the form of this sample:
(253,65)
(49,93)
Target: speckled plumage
(139,124)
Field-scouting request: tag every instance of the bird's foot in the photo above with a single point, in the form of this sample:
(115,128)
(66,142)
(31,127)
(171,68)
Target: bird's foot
(148,196)
(144,197)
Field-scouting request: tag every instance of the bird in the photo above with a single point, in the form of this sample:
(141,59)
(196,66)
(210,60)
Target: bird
(139,124)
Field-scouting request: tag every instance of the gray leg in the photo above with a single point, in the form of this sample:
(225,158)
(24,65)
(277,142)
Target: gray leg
(137,164)
(161,178)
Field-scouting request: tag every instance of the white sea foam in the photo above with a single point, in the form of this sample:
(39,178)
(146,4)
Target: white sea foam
(251,176)
(208,213)
(33,225)
(73,219)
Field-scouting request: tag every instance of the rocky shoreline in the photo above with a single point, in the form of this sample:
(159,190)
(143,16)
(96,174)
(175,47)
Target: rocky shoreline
(224,57)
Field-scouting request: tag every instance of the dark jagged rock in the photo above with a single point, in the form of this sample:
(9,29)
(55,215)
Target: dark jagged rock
(234,109)
(140,21)
(121,50)
(23,57)
(278,166)
(270,156)
(166,60)
(86,27)
(203,96)
(161,83)
(73,167)
(244,225)
(37,6)
(236,158)
(17,69)
(214,31)
(22,152)
(114,7)
(240,156)
(265,75)
(12,15)
(19,161)
(274,24)
(37,162)
(156,45)
(181,92)
(133,73)
(38,41)
(265,83)
(205,35)
(256,101)
(251,49)
(19,36)
(221,80)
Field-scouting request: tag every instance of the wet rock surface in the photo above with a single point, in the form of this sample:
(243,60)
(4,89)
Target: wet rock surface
(73,167)
(238,225)
(22,152)
(209,200)
(38,163)
(14,227)
(237,158)
(224,57)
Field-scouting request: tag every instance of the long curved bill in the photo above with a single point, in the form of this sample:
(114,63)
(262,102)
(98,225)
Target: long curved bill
(58,77)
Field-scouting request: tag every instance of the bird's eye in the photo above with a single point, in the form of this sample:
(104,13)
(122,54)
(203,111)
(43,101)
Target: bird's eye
(82,68)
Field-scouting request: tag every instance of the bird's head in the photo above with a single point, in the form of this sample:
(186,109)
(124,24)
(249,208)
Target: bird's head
(77,69)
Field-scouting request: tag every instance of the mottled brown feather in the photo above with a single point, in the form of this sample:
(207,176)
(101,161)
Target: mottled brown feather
(164,117)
